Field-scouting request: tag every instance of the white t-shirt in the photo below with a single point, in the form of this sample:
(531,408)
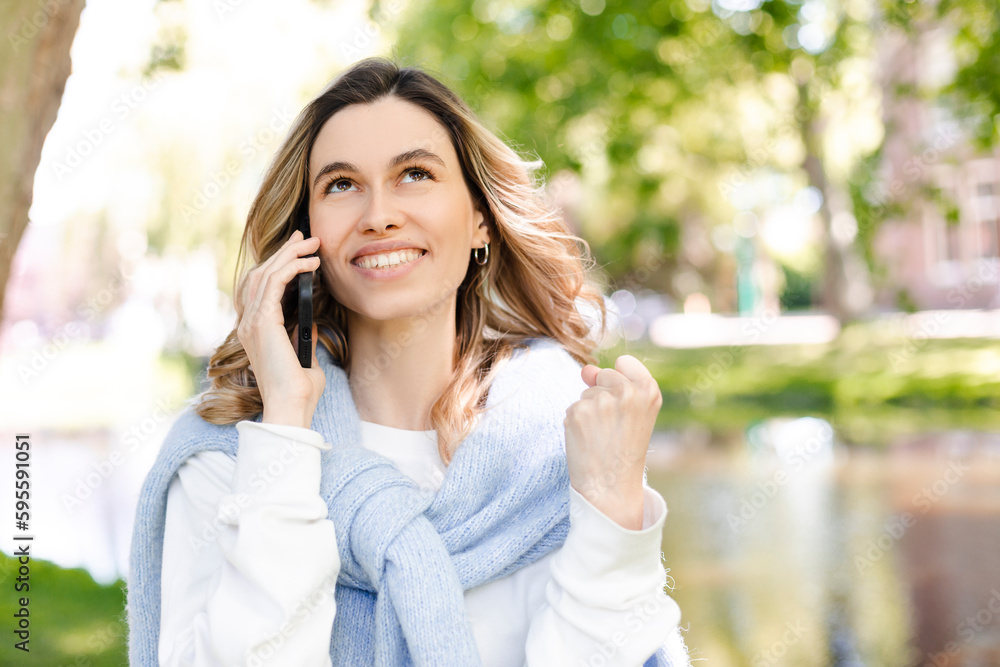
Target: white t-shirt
(247,539)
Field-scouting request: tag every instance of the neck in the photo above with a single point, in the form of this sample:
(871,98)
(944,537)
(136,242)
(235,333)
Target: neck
(398,368)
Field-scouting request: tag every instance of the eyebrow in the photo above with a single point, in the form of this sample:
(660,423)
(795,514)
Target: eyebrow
(408,156)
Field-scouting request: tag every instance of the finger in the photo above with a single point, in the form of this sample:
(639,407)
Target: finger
(298,245)
(273,286)
(589,374)
(634,370)
(610,378)
(592,392)
(277,282)
(294,246)
(292,250)
(264,267)
(253,292)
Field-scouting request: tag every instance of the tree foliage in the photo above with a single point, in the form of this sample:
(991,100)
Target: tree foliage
(664,107)
(975,92)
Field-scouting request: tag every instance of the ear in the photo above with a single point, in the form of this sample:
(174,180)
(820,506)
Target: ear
(482,233)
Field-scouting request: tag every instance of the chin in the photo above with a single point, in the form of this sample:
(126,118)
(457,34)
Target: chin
(390,309)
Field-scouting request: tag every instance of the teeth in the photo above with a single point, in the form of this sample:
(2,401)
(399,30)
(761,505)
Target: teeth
(392,259)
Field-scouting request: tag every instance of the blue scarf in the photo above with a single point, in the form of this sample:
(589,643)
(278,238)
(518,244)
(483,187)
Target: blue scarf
(407,555)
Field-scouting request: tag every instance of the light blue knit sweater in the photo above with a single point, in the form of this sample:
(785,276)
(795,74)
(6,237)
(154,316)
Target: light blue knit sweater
(407,555)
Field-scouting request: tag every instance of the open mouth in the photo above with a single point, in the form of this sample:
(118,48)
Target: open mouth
(389,259)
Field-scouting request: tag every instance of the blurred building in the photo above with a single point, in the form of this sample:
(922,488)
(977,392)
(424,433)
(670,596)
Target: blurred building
(941,245)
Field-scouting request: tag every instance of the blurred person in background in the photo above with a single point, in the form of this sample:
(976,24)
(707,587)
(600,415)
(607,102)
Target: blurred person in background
(452,481)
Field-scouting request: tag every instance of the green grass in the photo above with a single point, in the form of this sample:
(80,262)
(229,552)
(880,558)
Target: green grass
(75,622)
(871,384)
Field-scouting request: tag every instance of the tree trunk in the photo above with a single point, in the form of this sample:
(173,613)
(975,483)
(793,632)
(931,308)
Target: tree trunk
(846,289)
(33,72)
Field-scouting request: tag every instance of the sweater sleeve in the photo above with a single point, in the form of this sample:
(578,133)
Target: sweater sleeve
(605,603)
(250,559)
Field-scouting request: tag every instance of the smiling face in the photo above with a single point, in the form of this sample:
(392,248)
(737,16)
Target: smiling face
(395,218)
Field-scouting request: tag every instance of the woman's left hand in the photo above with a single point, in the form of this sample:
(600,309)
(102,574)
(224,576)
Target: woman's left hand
(607,435)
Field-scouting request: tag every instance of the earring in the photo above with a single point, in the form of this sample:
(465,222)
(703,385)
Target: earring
(486,255)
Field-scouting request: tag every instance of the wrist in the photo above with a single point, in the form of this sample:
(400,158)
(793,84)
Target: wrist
(287,415)
(621,504)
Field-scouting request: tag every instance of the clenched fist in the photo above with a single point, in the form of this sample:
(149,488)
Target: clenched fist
(607,435)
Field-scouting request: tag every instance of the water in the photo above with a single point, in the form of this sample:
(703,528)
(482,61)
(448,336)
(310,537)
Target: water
(786,546)
(845,556)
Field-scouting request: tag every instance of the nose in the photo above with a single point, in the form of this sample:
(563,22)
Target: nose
(380,212)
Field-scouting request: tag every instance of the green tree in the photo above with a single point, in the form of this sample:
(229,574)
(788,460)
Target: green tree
(649,105)
(974,94)
(633,101)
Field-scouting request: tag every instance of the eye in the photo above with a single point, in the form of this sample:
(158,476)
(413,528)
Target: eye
(339,185)
(415,174)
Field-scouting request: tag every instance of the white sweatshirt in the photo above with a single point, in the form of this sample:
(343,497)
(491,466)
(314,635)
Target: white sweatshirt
(239,556)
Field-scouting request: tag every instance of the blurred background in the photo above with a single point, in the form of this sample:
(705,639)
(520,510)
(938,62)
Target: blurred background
(795,210)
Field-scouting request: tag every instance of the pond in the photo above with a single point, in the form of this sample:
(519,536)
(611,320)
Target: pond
(785,545)
(788,547)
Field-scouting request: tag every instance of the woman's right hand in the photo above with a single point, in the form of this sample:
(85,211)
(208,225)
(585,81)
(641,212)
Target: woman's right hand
(289,392)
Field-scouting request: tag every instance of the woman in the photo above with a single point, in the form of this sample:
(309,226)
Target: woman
(445,485)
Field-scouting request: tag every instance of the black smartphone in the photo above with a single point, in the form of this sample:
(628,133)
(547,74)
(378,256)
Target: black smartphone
(305,290)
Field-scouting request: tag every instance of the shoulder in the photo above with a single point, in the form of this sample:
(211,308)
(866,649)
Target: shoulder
(536,355)
(191,436)
(540,367)
(191,433)
(189,424)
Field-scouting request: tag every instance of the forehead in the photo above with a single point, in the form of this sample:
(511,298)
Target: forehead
(369,135)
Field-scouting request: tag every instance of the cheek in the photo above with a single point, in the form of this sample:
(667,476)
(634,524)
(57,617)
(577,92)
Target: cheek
(327,259)
(331,272)
(451,222)
(332,223)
